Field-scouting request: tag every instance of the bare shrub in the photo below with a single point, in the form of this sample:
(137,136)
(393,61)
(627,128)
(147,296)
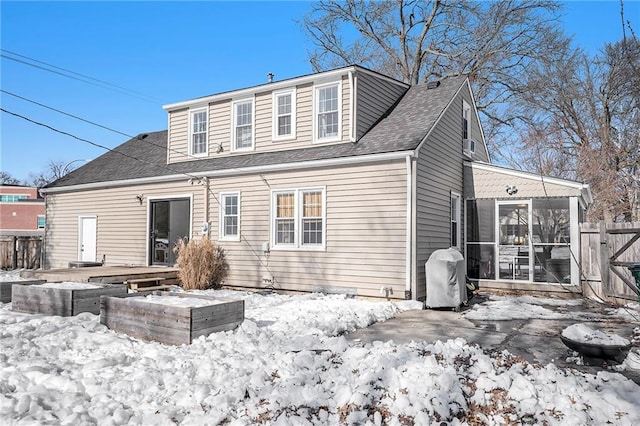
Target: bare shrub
(202,264)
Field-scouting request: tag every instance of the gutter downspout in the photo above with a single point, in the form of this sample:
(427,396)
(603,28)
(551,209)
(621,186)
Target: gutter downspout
(206,206)
(409,244)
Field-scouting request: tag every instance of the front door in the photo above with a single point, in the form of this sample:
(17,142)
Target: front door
(514,242)
(170,222)
(87,238)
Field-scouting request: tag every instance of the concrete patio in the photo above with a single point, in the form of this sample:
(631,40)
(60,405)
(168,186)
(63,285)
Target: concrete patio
(536,340)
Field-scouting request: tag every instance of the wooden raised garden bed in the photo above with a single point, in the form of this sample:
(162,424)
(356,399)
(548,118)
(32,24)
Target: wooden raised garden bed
(170,318)
(6,288)
(64,299)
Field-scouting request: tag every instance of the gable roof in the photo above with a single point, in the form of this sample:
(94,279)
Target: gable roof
(402,129)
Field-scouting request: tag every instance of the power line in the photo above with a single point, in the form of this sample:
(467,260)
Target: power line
(62,132)
(165,166)
(75,76)
(93,123)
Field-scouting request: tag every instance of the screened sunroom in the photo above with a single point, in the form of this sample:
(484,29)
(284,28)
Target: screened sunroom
(522,229)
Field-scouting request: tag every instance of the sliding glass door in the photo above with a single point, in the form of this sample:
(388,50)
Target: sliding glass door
(170,221)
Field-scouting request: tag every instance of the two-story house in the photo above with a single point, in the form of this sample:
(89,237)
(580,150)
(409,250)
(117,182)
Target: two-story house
(341,181)
(21,211)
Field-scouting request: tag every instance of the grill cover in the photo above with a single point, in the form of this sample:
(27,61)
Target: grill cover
(445,274)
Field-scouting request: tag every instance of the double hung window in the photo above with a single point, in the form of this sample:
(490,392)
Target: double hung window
(229,216)
(284,115)
(299,218)
(198,132)
(327,112)
(455,220)
(243,125)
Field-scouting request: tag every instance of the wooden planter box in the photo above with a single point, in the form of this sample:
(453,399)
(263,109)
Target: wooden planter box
(6,286)
(65,302)
(168,323)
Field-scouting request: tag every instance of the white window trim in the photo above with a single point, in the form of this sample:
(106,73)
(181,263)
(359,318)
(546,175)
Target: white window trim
(297,215)
(458,218)
(234,120)
(221,236)
(276,95)
(193,111)
(317,87)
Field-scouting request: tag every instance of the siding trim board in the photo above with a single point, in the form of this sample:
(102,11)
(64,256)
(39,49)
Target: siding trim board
(525,175)
(309,78)
(371,158)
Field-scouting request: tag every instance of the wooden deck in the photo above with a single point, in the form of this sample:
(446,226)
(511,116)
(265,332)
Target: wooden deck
(104,274)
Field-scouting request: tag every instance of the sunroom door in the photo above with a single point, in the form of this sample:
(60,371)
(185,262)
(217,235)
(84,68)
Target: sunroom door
(514,243)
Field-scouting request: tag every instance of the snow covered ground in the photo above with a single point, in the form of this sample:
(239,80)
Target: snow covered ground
(288,363)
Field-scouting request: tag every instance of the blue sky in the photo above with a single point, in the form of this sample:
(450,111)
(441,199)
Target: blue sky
(167,52)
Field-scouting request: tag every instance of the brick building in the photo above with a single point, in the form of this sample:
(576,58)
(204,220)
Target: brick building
(21,211)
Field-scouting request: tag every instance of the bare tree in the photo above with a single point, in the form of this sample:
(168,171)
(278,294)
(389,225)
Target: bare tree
(7,179)
(414,40)
(55,170)
(584,112)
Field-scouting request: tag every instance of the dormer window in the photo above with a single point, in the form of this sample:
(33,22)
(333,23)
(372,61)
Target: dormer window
(284,115)
(198,131)
(327,112)
(243,125)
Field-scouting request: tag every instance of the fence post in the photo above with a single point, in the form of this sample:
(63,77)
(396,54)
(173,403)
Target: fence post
(14,253)
(604,259)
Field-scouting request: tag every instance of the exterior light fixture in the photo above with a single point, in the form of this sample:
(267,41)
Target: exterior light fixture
(511,189)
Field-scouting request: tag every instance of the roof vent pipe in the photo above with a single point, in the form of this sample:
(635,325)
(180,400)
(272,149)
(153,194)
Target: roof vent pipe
(433,84)
(270,77)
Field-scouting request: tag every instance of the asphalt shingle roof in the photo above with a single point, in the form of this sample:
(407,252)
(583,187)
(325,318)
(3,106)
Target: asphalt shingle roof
(145,156)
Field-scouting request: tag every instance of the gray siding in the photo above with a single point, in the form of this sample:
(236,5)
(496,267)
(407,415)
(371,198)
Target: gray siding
(374,97)
(439,171)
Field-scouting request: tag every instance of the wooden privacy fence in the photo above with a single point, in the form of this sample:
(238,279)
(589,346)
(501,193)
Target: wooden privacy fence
(20,252)
(606,252)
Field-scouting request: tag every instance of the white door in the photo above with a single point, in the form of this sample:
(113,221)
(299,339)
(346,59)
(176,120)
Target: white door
(87,238)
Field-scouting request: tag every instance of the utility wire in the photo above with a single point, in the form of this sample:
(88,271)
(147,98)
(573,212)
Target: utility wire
(62,132)
(93,123)
(165,166)
(75,76)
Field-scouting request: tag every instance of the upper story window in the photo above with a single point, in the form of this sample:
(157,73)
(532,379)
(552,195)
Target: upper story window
(229,216)
(243,125)
(327,112)
(12,198)
(466,120)
(284,115)
(198,131)
(298,219)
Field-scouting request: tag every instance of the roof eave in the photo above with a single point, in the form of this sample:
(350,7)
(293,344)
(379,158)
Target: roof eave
(260,88)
